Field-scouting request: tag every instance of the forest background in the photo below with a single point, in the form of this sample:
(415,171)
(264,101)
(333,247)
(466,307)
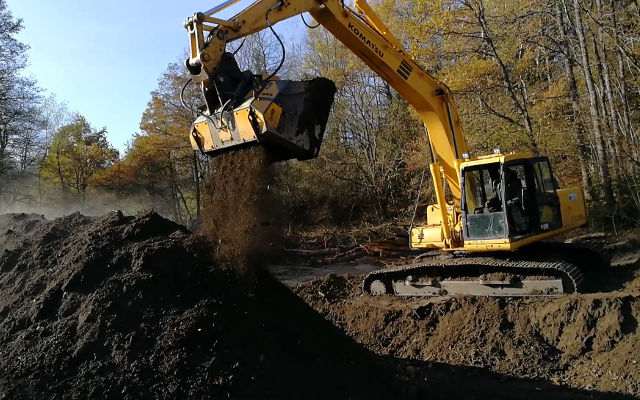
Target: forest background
(557,77)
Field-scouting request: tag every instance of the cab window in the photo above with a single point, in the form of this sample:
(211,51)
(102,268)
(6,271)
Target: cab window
(484,216)
(545,183)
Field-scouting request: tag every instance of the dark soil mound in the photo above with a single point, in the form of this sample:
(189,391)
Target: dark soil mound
(131,307)
(589,341)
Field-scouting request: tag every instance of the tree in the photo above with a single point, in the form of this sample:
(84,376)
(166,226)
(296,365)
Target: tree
(364,158)
(20,118)
(261,53)
(602,158)
(76,155)
(18,96)
(160,162)
(558,77)
(569,63)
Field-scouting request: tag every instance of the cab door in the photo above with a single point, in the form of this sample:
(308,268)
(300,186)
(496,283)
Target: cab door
(519,199)
(547,200)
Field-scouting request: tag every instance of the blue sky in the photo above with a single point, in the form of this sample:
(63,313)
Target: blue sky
(104,58)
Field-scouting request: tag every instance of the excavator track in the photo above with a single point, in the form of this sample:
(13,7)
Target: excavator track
(480,276)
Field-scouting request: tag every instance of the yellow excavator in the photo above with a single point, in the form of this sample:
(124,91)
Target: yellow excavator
(492,211)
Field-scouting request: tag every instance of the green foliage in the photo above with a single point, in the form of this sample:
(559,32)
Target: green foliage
(19,98)
(76,155)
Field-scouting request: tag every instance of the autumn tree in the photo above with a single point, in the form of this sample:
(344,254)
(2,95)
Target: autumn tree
(555,77)
(362,169)
(160,163)
(76,155)
(551,76)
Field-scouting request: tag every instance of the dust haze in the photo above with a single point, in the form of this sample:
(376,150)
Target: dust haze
(26,195)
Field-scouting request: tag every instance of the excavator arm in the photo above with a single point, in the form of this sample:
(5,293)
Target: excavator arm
(364,34)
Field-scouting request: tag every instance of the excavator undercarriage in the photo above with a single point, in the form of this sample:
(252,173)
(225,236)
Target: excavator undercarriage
(543,269)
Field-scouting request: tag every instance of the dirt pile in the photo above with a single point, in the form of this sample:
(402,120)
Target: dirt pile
(589,341)
(240,212)
(131,307)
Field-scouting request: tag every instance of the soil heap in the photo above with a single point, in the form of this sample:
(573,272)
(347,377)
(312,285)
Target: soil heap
(588,341)
(132,307)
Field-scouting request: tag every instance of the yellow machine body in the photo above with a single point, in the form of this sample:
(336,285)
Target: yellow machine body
(561,210)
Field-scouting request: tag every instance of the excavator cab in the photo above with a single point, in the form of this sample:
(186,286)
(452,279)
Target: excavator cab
(507,199)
